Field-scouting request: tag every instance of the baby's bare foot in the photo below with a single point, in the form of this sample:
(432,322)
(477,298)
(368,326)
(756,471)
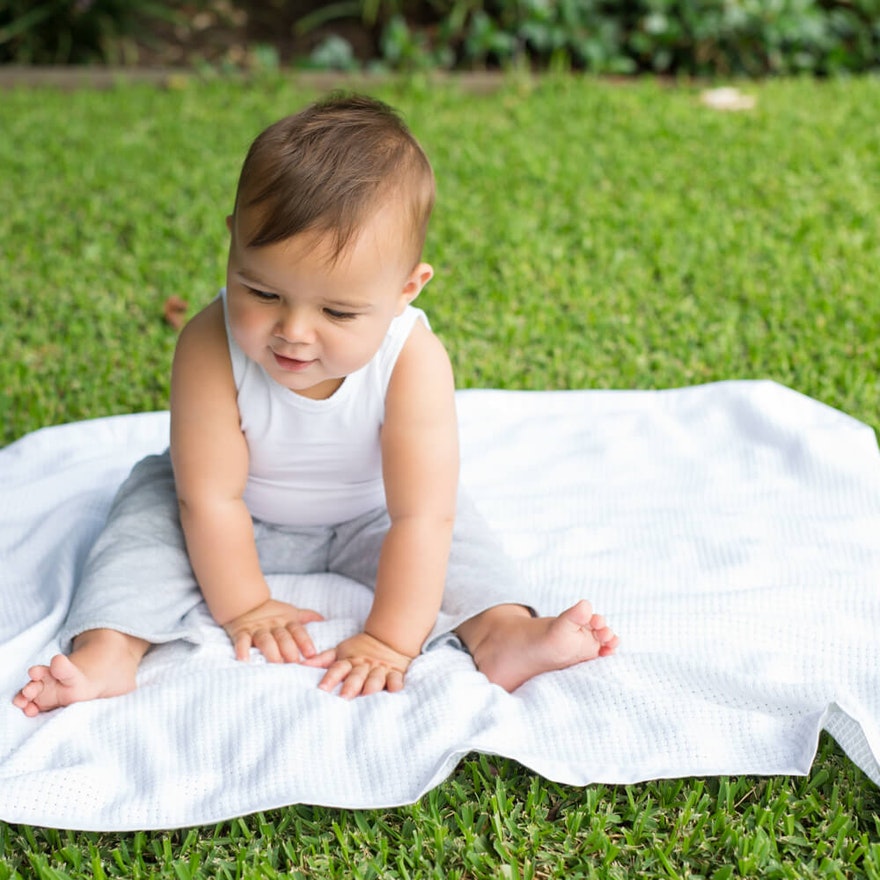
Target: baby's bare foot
(103,664)
(510,647)
(58,684)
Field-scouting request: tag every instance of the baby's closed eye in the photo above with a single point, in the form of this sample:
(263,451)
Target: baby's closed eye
(263,295)
(338,315)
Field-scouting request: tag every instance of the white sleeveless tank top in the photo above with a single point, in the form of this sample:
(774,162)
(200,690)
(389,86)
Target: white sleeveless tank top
(316,462)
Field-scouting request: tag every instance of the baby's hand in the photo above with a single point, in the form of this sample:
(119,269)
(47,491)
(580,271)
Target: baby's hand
(363,665)
(274,628)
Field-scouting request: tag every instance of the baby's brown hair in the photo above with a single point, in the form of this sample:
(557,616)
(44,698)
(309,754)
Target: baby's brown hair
(329,167)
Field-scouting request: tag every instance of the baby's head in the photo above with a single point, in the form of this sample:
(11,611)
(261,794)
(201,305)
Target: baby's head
(328,169)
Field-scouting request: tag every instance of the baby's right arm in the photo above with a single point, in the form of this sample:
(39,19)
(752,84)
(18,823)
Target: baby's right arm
(210,458)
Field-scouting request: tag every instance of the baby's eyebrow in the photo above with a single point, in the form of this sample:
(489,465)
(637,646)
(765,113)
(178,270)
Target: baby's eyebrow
(247,277)
(349,305)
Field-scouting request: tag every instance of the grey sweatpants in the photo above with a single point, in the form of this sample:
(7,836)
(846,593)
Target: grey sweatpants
(138,580)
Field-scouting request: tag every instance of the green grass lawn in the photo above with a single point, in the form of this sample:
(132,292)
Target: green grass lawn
(587,235)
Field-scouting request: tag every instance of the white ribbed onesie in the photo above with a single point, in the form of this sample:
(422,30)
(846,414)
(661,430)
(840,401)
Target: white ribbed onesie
(312,512)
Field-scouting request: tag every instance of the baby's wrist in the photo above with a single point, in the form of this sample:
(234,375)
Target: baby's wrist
(403,646)
(228,613)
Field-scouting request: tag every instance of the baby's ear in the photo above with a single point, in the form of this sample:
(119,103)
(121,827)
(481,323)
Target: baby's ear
(418,278)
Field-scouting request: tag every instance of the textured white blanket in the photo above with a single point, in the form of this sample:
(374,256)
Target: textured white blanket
(730,533)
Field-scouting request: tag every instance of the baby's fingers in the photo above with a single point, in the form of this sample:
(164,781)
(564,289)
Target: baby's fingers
(360,679)
(322,660)
(242,644)
(353,683)
(301,643)
(272,644)
(365,679)
(383,679)
(337,672)
(292,642)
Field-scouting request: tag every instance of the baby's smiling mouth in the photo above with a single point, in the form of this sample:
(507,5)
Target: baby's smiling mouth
(292,365)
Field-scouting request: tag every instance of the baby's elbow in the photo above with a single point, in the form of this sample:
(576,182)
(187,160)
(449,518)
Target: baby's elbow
(194,504)
(435,522)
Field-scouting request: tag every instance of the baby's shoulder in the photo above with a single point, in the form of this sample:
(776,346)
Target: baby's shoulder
(423,366)
(204,327)
(202,340)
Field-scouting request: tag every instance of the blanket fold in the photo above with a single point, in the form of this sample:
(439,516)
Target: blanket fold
(728,532)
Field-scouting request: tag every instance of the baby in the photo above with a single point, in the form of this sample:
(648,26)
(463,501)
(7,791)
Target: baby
(313,429)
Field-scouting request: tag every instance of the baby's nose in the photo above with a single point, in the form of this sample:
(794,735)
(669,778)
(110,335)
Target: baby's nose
(296,325)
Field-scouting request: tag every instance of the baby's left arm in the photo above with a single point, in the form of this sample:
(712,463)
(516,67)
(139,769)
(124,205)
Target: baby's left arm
(420,469)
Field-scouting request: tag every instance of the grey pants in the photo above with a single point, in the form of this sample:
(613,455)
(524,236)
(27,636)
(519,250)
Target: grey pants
(138,580)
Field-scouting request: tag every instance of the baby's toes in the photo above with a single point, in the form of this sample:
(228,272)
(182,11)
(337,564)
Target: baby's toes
(32,690)
(604,635)
(597,624)
(607,644)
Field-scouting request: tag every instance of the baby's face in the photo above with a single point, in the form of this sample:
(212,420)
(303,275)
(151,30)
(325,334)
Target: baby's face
(310,321)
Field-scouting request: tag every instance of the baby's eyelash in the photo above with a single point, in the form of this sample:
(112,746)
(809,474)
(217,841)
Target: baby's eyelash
(339,316)
(261,294)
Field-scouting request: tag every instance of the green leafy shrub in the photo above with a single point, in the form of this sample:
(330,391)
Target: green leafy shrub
(706,37)
(756,37)
(696,37)
(73,31)
(585,33)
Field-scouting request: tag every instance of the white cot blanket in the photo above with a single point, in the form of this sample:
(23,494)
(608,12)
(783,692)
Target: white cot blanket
(730,533)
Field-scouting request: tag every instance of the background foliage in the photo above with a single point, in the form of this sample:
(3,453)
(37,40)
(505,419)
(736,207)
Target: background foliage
(702,37)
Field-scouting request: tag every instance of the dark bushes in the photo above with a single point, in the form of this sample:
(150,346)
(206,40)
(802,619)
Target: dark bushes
(702,37)
(74,31)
